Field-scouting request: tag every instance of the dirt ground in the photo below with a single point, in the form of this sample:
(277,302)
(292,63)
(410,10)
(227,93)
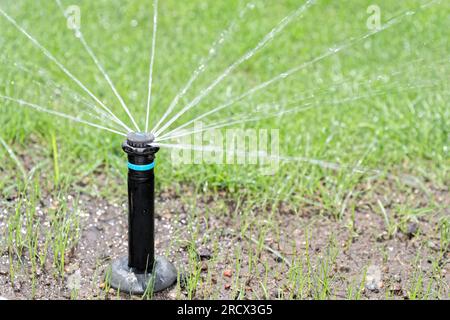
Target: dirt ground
(304,254)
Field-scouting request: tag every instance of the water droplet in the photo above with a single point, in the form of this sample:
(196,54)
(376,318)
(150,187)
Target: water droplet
(284,75)
(334,49)
(251,6)
(134,23)
(78,33)
(410,13)
(12,82)
(212,51)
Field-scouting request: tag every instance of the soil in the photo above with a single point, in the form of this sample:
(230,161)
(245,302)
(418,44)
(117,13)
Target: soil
(346,252)
(213,241)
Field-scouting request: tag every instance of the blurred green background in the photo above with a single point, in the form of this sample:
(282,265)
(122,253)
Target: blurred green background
(400,131)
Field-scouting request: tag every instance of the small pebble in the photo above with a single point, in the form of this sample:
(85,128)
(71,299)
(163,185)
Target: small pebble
(396,288)
(373,279)
(227,273)
(204,254)
(412,229)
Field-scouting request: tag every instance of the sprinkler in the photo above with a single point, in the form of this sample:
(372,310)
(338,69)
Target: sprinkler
(141,271)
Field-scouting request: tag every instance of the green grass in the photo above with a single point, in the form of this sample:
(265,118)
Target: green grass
(402,133)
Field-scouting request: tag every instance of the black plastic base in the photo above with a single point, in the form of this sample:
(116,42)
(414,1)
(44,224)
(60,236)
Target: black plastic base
(124,279)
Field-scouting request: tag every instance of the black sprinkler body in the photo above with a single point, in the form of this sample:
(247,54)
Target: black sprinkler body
(141,271)
(141,195)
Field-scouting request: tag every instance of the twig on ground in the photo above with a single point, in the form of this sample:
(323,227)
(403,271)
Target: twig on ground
(273,251)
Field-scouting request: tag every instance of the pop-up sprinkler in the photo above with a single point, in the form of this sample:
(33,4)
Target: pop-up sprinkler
(141,271)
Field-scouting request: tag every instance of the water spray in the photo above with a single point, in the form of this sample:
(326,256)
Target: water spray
(141,271)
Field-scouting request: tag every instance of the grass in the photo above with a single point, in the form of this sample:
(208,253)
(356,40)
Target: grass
(400,130)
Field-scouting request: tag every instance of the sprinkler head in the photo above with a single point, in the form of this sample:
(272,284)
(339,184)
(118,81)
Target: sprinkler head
(140,143)
(140,139)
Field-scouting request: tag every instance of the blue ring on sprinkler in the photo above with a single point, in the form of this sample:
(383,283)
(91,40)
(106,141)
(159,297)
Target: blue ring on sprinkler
(145,167)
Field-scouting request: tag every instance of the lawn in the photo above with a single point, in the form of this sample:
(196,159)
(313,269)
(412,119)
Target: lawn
(358,207)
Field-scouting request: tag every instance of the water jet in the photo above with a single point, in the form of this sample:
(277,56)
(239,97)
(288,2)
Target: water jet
(141,271)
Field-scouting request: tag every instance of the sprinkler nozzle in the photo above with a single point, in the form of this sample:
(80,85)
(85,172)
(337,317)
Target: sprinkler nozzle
(140,139)
(139,143)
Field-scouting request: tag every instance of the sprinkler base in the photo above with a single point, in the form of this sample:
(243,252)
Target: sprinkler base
(123,278)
